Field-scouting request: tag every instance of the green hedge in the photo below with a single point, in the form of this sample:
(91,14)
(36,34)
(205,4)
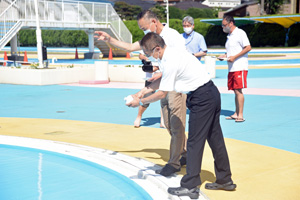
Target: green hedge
(138,34)
(294,35)
(260,35)
(54,38)
(264,34)
(215,36)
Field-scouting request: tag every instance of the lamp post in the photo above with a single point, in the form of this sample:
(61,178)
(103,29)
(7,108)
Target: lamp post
(38,35)
(167,10)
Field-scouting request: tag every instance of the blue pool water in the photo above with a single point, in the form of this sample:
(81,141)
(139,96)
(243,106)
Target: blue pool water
(86,49)
(53,49)
(36,174)
(138,62)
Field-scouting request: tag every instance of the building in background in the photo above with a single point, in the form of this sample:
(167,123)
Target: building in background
(290,7)
(253,8)
(184,5)
(222,4)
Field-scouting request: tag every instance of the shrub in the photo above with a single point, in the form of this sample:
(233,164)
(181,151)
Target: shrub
(27,37)
(176,24)
(260,35)
(175,13)
(137,33)
(265,34)
(215,36)
(294,35)
(200,13)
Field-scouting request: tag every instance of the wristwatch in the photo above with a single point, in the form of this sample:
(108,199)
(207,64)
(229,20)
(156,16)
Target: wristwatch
(141,102)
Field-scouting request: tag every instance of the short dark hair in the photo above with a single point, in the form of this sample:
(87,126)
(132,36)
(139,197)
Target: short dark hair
(152,40)
(148,14)
(229,19)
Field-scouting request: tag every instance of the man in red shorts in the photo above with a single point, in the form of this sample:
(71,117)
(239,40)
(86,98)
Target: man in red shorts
(237,48)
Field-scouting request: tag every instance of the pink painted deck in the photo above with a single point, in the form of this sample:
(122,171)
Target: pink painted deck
(251,91)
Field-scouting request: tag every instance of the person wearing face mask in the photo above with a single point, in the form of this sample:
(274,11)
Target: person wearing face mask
(194,41)
(237,48)
(182,72)
(173,105)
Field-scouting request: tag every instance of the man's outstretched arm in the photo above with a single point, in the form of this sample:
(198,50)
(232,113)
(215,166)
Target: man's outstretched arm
(101,35)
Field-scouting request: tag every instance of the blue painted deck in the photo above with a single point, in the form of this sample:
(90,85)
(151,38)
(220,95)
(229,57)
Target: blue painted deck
(270,120)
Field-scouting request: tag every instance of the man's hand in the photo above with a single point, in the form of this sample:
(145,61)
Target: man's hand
(230,58)
(155,68)
(100,35)
(142,57)
(139,94)
(135,102)
(221,57)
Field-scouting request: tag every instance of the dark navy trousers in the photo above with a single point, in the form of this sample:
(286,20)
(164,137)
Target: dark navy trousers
(204,124)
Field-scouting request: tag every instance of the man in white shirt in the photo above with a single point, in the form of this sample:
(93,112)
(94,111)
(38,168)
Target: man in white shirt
(182,72)
(237,48)
(173,105)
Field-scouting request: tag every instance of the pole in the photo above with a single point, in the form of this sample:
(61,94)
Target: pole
(38,36)
(167,11)
(262,7)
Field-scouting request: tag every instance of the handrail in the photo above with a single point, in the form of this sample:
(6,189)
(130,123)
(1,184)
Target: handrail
(10,33)
(66,11)
(4,11)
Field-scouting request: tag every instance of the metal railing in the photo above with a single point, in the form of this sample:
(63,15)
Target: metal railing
(65,12)
(9,23)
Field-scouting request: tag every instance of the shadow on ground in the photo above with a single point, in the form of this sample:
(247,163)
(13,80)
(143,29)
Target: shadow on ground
(149,121)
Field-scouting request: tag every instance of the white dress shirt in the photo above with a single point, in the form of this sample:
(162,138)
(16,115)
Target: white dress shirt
(181,71)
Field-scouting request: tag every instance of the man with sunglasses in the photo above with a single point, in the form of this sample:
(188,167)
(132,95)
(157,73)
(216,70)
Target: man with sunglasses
(173,105)
(182,72)
(237,48)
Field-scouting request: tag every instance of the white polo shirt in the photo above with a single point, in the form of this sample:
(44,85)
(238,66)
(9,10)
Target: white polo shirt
(235,43)
(172,38)
(181,71)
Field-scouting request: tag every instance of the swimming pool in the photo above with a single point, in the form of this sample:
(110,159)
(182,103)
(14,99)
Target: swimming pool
(28,173)
(138,62)
(45,169)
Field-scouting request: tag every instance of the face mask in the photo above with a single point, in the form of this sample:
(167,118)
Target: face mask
(226,29)
(188,30)
(148,30)
(152,59)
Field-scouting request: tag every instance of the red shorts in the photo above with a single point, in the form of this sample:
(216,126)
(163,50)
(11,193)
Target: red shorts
(237,80)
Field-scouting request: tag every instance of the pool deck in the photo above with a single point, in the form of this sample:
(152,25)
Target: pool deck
(263,151)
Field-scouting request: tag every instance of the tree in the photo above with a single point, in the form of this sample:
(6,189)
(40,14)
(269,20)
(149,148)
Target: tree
(126,11)
(160,12)
(272,6)
(200,13)
(175,13)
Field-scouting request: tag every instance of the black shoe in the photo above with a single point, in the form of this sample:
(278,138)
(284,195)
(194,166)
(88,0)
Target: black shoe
(182,161)
(180,191)
(167,170)
(216,186)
